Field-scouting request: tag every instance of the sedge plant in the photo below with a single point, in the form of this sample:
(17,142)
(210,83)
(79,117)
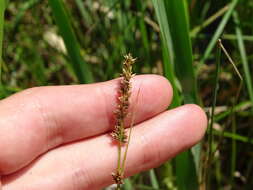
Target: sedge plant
(119,133)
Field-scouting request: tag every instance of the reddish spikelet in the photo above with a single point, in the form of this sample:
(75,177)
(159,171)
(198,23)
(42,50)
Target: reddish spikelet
(123,99)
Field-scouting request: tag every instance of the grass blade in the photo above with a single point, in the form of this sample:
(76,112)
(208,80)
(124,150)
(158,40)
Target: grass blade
(186,171)
(84,13)
(234,136)
(183,60)
(233,152)
(219,30)
(172,18)
(167,49)
(143,30)
(243,56)
(62,20)
(210,128)
(127,184)
(225,37)
(169,74)
(153,180)
(241,106)
(27,5)
(186,162)
(209,21)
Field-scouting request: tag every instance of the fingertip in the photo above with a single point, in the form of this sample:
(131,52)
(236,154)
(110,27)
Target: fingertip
(197,121)
(166,87)
(156,86)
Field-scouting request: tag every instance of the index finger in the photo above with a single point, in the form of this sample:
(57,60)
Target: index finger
(39,119)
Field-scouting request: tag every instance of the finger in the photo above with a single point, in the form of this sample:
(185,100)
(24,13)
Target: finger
(89,164)
(39,119)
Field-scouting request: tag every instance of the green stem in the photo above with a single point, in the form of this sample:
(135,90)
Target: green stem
(130,132)
(125,153)
(118,187)
(119,157)
(233,151)
(119,168)
(210,135)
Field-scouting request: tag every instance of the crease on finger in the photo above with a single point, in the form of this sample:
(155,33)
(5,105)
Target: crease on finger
(0,183)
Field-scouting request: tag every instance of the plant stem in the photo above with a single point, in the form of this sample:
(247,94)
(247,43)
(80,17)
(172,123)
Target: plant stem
(121,113)
(210,135)
(119,157)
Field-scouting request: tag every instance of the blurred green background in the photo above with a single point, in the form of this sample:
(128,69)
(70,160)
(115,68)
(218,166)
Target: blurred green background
(58,42)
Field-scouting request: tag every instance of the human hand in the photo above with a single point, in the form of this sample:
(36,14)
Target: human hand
(56,138)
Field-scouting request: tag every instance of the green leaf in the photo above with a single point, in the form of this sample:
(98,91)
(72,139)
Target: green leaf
(210,129)
(84,13)
(173,21)
(219,30)
(243,54)
(62,20)
(153,179)
(185,172)
(167,49)
(179,29)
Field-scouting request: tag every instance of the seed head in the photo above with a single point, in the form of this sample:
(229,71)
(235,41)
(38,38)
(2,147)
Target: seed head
(123,99)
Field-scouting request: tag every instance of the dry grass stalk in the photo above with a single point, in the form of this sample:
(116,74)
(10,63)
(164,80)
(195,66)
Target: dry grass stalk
(121,113)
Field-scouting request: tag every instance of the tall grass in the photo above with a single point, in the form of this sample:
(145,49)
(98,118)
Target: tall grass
(168,56)
(173,21)
(63,22)
(219,30)
(243,54)
(210,127)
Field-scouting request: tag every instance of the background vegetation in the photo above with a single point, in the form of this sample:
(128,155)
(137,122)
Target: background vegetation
(58,42)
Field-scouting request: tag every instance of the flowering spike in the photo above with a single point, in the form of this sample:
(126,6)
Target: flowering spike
(121,112)
(123,99)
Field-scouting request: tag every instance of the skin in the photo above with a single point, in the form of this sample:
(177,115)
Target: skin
(58,137)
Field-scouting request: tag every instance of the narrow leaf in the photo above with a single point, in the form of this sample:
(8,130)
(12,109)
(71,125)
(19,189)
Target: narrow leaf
(62,20)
